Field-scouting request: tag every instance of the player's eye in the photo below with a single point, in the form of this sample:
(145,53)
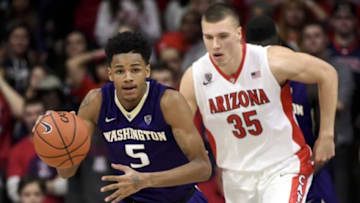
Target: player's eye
(208,37)
(135,70)
(119,71)
(223,36)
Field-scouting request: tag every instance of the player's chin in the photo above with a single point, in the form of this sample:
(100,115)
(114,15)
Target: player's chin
(130,97)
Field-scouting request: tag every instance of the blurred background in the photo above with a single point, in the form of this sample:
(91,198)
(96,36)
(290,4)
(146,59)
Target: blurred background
(51,55)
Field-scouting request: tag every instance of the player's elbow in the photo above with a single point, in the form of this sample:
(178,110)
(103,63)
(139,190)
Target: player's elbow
(67,172)
(205,170)
(65,175)
(330,74)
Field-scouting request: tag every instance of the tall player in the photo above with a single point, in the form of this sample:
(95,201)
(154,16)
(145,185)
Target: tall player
(261,30)
(148,130)
(243,95)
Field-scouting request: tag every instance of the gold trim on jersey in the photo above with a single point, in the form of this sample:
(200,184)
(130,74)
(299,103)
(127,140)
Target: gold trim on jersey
(132,114)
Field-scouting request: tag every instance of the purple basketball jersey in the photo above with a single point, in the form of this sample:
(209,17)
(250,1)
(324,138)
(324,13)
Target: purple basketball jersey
(142,140)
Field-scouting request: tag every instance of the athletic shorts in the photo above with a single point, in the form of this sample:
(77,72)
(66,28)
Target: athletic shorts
(286,182)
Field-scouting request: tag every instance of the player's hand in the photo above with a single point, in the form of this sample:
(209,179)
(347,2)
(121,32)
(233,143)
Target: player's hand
(324,150)
(125,185)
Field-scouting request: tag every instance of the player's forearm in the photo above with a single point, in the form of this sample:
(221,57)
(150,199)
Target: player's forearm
(193,172)
(328,96)
(67,172)
(15,100)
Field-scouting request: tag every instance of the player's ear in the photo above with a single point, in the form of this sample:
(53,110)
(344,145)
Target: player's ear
(109,74)
(147,70)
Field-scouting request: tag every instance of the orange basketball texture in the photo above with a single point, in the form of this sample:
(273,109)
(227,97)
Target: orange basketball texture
(61,139)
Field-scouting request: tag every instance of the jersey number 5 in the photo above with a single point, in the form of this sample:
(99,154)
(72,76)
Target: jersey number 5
(240,131)
(144,159)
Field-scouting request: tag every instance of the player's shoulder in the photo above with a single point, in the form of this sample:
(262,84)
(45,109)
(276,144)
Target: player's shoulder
(170,99)
(278,51)
(93,98)
(279,56)
(94,94)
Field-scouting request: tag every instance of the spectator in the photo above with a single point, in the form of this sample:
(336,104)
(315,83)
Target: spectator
(142,14)
(164,75)
(6,128)
(24,161)
(191,28)
(22,12)
(293,15)
(77,64)
(51,92)
(31,190)
(176,9)
(345,48)
(19,57)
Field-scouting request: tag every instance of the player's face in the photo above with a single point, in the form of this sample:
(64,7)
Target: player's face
(128,72)
(222,40)
(31,194)
(314,39)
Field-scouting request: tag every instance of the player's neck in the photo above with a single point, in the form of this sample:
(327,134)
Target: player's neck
(129,105)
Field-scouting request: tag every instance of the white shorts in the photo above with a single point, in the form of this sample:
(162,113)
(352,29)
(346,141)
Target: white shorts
(286,182)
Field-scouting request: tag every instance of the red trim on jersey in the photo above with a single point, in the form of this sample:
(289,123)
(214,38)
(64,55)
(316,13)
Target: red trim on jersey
(211,141)
(198,121)
(306,168)
(235,75)
(299,183)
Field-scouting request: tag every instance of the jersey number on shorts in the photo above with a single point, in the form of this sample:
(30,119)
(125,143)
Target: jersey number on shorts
(130,151)
(253,126)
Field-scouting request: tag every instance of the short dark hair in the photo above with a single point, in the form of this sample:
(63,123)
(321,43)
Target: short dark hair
(30,179)
(261,30)
(343,4)
(323,26)
(219,11)
(12,27)
(128,42)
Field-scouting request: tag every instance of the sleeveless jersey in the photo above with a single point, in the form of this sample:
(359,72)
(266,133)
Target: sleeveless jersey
(142,140)
(248,116)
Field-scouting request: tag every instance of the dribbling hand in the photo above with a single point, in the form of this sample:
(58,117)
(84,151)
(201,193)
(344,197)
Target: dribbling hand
(125,185)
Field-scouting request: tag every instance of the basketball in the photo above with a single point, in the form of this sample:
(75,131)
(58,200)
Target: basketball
(61,139)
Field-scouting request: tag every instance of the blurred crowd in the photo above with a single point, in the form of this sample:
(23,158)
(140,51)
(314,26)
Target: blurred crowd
(51,55)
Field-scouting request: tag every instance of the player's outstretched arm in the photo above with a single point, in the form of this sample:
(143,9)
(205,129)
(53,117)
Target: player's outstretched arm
(188,91)
(88,112)
(288,65)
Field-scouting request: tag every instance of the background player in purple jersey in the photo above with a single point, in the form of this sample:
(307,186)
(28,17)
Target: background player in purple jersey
(148,129)
(261,30)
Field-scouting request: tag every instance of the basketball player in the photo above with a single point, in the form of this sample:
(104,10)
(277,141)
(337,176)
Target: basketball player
(148,130)
(243,95)
(261,30)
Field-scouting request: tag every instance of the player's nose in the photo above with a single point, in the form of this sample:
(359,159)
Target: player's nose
(216,44)
(128,76)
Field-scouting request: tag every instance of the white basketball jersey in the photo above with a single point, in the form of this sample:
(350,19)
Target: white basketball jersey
(248,116)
